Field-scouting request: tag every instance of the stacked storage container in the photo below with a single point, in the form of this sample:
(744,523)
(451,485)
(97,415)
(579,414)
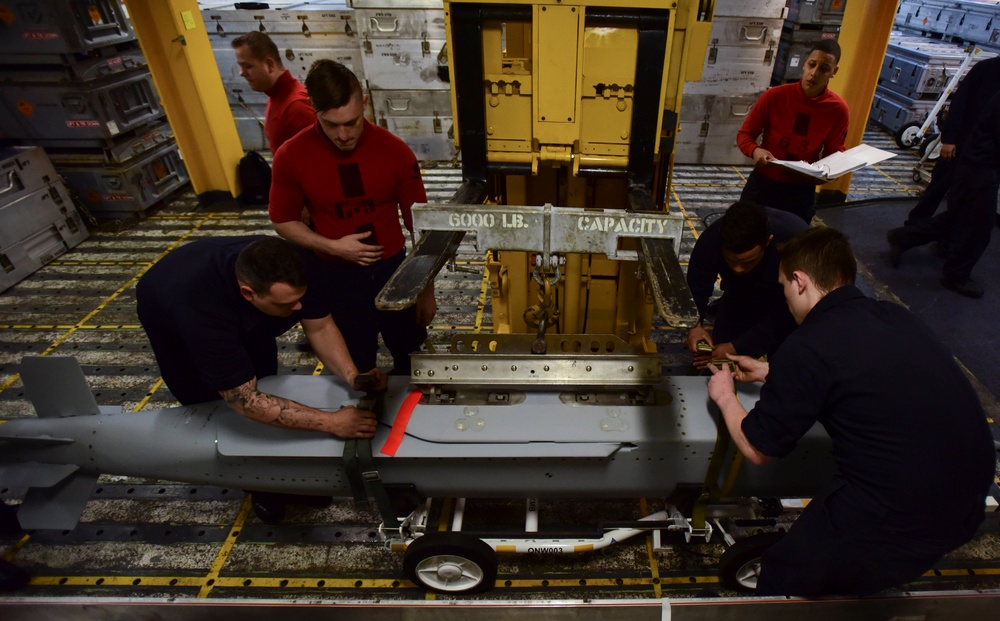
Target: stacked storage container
(405,61)
(303,33)
(76,83)
(961,21)
(38,220)
(738,67)
(808,22)
(914,74)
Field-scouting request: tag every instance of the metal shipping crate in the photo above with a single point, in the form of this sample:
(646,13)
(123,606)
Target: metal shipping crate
(430,138)
(22,171)
(130,188)
(919,71)
(979,24)
(45,27)
(99,109)
(64,231)
(750,8)
(708,142)
(117,150)
(892,110)
(411,103)
(102,64)
(794,49)
(405,64)
(816,11)
(708,127)
(395,23)
(297,60)
(743,32)
(329,27)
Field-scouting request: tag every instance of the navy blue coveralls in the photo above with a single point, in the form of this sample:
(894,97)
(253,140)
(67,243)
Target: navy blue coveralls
(914,454)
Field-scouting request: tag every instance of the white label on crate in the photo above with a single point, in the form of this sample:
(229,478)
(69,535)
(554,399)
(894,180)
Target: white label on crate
(113,128)
(793,62)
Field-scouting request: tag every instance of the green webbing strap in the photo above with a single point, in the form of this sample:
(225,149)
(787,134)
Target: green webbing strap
(373,484)
(352,468)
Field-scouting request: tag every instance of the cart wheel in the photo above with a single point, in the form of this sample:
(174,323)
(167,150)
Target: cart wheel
(739,566)
(906,137)
(917,176)
(930,149)
(451,563)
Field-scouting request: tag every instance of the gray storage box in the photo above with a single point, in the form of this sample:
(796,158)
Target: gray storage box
(331,27)
(411,103)
(794,49)
(708,129)
(110,62)
(708,142)
(389,23)
(430,138)
(979,24)
(24,170)
(816,11)
(130,188)
(297,59)
(99,109)
(892,110)
(36,228)
(116,151)
(45,27)
(750,8)
(744,32)
(405,64)
(919,70)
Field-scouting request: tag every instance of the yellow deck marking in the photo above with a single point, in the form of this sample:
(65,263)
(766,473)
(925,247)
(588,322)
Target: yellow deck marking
(149,395)
(220,559)
(687,216)
(654,565)
(83,322)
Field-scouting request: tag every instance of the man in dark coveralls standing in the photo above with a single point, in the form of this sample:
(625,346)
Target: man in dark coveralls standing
(914,454)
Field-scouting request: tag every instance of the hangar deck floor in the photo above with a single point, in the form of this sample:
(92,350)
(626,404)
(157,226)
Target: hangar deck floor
(156,539)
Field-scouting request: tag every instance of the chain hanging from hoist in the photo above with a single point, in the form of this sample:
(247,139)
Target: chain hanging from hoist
(545,314)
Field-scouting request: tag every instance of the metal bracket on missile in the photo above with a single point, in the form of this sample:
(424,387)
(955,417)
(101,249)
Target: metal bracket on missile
(506,360)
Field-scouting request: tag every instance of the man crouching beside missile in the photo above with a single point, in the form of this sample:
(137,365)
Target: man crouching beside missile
(212,310)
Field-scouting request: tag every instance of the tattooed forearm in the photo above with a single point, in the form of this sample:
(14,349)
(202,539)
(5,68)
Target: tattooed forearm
(270,409)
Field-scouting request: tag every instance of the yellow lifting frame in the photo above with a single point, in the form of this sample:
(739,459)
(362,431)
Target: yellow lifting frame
(864,38)
(173,39)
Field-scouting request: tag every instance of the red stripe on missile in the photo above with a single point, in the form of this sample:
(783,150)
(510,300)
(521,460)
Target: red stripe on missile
(399,425)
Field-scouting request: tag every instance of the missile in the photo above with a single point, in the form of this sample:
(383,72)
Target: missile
(471,442)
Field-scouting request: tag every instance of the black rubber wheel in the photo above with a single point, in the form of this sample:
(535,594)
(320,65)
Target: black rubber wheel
(739,566)
(930,149)
(917,176)
(453,563)
(906,137)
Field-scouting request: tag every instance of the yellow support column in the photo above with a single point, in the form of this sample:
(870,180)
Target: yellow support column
(176,46)
(864,38)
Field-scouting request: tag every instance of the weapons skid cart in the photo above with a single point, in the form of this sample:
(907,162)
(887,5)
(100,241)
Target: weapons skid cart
(566,116)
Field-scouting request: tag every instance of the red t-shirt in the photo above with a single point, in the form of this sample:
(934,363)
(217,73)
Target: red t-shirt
(794,127)
(288,110)
(348,192)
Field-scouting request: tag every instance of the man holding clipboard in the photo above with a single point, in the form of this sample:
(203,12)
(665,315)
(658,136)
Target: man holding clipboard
(799,121)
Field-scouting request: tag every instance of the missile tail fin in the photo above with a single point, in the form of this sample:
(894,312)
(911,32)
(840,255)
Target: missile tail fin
(57,387)
(58,507)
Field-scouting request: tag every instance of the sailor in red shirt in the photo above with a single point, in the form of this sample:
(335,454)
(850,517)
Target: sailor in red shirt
(288,108)
(354,179)
(800,121)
